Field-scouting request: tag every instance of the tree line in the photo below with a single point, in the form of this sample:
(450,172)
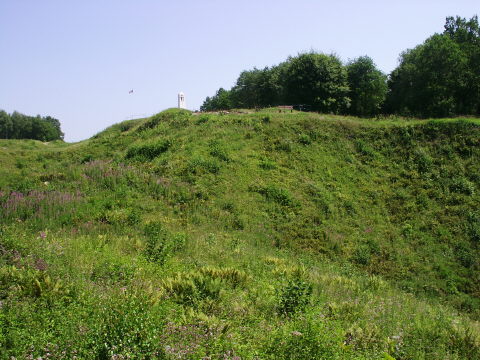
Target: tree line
(20,126)
(438,78)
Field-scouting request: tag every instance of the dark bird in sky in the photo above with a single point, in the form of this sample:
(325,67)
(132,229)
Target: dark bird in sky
(131,91)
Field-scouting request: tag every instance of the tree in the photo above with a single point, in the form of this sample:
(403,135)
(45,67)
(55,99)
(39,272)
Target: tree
(368,87)
(256,88)
(5,125)
(463,31)
(466,33)
(430,80)
(221,101)
(56,132)
(318,80)
(20,126)
(440,77)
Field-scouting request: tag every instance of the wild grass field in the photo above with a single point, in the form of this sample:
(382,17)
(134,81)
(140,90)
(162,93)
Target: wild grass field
(243,236)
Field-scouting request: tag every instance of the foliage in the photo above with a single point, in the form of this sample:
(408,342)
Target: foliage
(317,80)
(294,296)
(149,151)
(126,329)
(256,88)
(221,101)
(160,244)
(426,83)
(19,126)
(368,87)
(439,78)
(305,236)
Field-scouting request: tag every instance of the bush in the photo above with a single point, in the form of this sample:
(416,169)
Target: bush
(304,139)
(125,126)
(121,217)
(148,152)
(304,339)
(160,244)
(294,296)
(34,284)
(190,288)
(175,117)
(365,149)
(362,255)
(283,145)
(156,249)
(423,161)
(126,328)
(200,166)
(267,164)
(275,194)
(219,152)
(202,119)
(462,186)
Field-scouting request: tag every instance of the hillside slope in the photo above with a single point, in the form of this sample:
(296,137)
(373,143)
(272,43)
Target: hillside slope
(269,235)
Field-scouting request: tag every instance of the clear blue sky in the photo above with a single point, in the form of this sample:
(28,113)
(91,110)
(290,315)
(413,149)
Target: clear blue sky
(77,60)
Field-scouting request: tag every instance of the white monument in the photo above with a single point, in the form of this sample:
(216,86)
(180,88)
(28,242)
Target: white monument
(181,101)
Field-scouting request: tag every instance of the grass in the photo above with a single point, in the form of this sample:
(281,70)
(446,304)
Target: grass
(261,235)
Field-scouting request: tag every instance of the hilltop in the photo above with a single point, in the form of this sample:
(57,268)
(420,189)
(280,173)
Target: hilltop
(265,234)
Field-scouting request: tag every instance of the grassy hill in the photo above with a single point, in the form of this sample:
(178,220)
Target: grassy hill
(262,235)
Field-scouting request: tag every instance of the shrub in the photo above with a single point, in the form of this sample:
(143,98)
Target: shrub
(267,164)
(112,271)
(366,337)
(148,152)
(160,244)
(423,161)
(362,255)
(125,126)
(175,117)
(200,166)
(156,249)
(126,327)
(192,287)
(304,139)
(304,339)
(473,226)
(202,119)
(188,289)
(275,194)
(283,145)
(462,186)
(231,276)
(219,152)
(236,223)
(294,296)
(128,216)
(365,149)
(35,284)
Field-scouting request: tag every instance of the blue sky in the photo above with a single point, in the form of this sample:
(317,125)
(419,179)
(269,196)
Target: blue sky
(77,60)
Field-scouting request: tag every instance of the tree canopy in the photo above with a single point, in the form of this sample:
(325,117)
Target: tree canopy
(20,126)
(438,78)
(367,85)
(318,80)
(441,76)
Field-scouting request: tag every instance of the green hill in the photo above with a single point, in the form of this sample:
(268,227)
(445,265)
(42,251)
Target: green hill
(263,235)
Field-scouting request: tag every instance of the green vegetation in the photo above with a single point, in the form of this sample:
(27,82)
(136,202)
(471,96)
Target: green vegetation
(19,126)
(438,78)
(262,235)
